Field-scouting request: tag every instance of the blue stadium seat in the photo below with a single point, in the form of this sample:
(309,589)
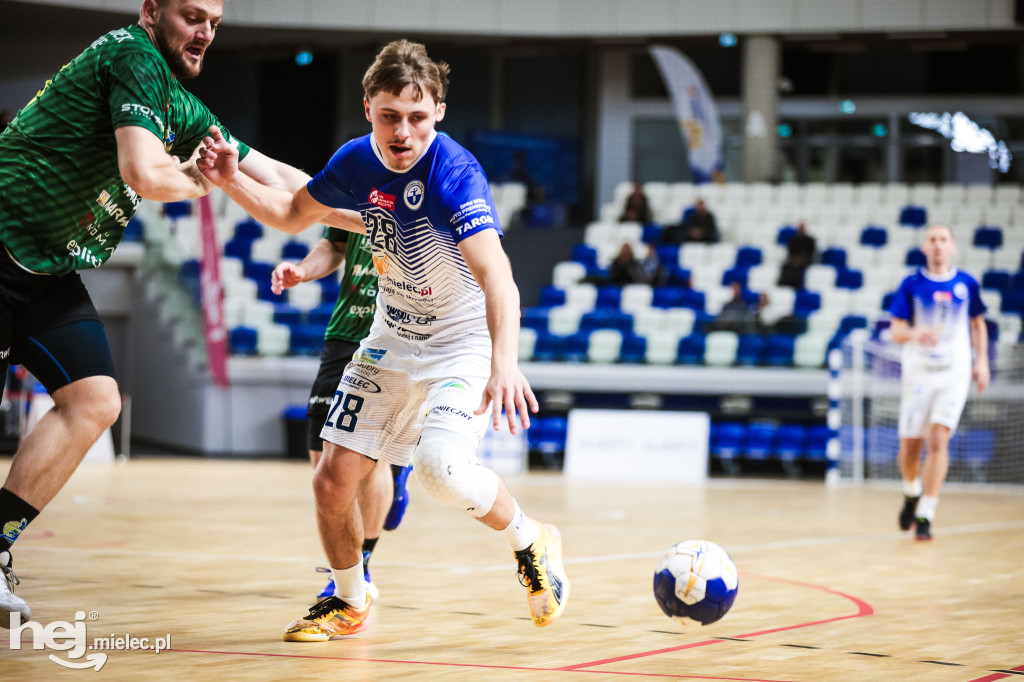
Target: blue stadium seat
(551,296)
(834,256)
(248,229)
(581,253)
(849,279)
(806,302)
(242,341)
(177,209)
(791,442)
(286,314)
(851,322)
(786,233)
(294,250)
(574,348)
(329,290)
(817,442)
(667,297)
(634,349)
(652,233)
(536,318)
(606,319)
(882,445)
(913,216)
(608,298)
(693,299)
(691,350)
(1000,280)
(668,254)
(239,248)
(678,277)
(258,271)
(874,236)
(915,258)
(264,293)
(988,238)
(737,274)
(761,440)
(748,257)
(320,315)
(134,231)
(548,347)
(552,435)
(750,350)
(779,350)
(306,339)
(730,441)
(887,300)
(597,273)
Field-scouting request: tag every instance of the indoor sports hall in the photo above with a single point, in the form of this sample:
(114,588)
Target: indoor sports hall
(720,217)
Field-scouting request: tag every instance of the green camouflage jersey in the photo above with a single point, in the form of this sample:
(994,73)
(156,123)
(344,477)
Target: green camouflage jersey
(357,300)
(63,204)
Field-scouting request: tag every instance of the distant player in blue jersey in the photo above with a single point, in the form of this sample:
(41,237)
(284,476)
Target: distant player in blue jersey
(937,315)
(442,349)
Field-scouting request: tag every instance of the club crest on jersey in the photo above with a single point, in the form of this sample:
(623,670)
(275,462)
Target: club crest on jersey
(960,290)
(378,198)
(414,195)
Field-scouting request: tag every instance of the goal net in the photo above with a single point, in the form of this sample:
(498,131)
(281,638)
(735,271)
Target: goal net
(987,446)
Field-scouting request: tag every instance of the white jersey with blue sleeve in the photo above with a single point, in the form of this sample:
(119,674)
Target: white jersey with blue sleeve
(414,221)
(946,303)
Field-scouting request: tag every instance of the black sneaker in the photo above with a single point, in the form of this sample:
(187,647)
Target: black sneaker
(923,531)
(907,513)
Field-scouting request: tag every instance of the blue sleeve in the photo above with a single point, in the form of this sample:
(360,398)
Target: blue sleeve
(466,205)
(329,186)
(900,306)
(976,306)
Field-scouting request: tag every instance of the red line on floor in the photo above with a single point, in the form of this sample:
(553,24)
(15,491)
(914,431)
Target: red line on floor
(863,609)
(997,676)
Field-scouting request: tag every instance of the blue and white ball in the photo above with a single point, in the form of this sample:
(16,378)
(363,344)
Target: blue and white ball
(696,582)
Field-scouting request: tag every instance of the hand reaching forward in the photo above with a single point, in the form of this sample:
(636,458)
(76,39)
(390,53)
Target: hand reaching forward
(218,159)
(507,388)
(286,275)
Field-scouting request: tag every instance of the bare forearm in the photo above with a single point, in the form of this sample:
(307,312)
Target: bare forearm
(900,331)
(503,322)
(321,261)
(979,335)
(347,220)
(269,205)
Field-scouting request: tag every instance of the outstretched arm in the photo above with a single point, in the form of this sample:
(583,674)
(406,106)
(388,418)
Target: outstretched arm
(283,210)
(154,174)
(325,258)
(507,386)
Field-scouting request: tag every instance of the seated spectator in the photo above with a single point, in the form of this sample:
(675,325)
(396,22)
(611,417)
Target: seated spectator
(738,315)
(698,225)
(801,251)
(651,270)
(624,268)
(637,208)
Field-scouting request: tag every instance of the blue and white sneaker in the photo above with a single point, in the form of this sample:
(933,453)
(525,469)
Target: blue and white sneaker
(328,590)
(400,501)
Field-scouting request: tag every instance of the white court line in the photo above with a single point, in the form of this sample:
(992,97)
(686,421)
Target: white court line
(598,559)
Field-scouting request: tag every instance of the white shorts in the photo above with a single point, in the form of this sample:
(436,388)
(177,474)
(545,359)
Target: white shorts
(936,397)
(394,388)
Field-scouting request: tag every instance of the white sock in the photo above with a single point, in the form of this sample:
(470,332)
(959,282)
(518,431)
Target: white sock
(350,585)
(926,507)
(912,488)
(521,532)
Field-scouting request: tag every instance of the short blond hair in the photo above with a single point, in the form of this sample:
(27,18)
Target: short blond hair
(402,63)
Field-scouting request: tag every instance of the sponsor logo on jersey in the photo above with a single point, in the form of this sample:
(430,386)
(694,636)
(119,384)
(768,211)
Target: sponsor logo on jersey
(370,356)
(365,370)
(143,110)
(403,317)
(362,310)
(103,198)
(360,383)
(381,199)
(382,264)
(405,286)
(469,208)
(454,386)
(403,333)
(414,195)
(454,411)
(475,222)
(942,296)
(960,290)
(12,529)
(83,254)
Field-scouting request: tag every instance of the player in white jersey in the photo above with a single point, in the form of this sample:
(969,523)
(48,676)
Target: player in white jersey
(442,351)
(936,314)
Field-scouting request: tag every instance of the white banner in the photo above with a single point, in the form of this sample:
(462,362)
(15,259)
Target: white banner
(638,445)
(695,110)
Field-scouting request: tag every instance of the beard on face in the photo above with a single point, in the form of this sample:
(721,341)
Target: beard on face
(181,69)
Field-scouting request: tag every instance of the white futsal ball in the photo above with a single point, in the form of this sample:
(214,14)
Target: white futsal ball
(696,582)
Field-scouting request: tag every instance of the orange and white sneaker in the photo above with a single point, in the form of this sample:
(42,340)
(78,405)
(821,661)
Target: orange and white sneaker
(327,619)
(542,574)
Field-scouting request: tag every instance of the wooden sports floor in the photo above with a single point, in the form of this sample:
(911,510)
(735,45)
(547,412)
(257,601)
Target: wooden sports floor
(221,555)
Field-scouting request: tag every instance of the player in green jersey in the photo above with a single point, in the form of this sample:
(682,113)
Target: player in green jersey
(383,496)
(112,127)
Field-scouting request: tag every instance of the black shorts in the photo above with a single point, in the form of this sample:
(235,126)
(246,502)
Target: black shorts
(334,357)
(50,325)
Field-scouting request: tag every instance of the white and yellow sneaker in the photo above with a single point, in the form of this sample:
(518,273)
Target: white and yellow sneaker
(542,574)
